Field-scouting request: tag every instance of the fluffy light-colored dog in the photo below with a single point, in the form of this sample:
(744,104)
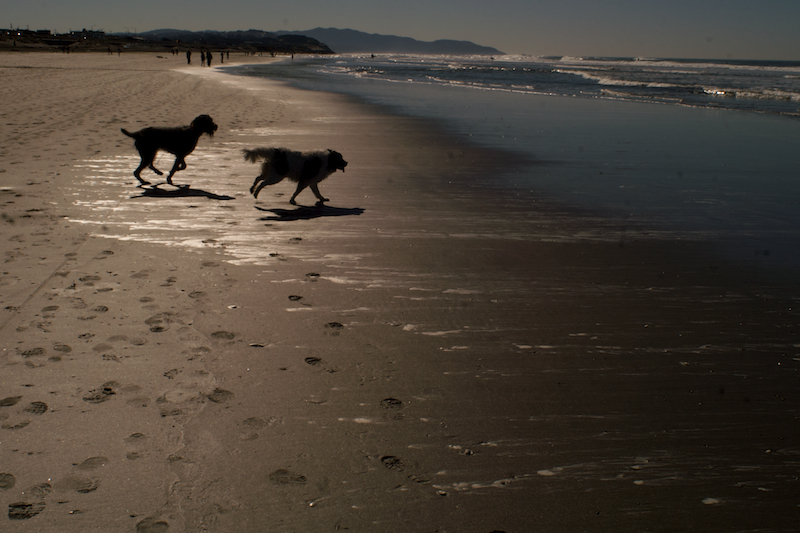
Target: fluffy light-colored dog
(306,169)
(179,141)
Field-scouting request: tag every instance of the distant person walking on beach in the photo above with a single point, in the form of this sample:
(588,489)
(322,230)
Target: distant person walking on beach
(189,57)
(202,58)
(208,57)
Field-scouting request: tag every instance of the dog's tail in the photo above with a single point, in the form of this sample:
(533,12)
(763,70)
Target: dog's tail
(259,153)
(126,132)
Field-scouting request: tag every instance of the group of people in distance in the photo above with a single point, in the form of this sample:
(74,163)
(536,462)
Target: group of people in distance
(205,57)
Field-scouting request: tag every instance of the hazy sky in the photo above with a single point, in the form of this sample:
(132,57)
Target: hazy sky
(739,29)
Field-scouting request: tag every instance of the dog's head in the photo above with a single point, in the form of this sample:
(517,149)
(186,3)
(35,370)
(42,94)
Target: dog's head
(204,124)
(335,161)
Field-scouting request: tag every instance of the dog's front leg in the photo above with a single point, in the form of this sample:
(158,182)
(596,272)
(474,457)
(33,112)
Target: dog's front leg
(316,192)
(180,164)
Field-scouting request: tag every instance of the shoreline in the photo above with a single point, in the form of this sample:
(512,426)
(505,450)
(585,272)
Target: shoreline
(401,361)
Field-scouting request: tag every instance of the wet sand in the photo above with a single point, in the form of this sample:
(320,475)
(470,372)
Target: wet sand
(419,355)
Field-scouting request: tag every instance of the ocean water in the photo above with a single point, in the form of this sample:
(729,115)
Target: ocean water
(704,150)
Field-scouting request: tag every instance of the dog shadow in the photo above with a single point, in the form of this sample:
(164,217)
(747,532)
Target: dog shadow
(308,213)
(183,191)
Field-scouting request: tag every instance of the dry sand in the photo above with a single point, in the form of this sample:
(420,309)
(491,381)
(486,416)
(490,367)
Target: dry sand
(417,356)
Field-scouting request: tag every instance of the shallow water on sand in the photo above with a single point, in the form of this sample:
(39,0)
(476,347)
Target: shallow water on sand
(696,173)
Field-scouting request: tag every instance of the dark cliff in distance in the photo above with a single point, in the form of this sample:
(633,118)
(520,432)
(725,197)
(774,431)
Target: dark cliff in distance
(257,40)
(160,41)
(355,42)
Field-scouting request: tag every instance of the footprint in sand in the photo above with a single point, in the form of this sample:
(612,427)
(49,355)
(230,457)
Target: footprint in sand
(24,510)
(102,394)
(27,510)
(104,254)
(18,425)
(316,361)
(92,463)
(7,481)
(36,408)
(391,403)
(393,406)
(285,477)
(151,525)
(11,400)
(334,328)
(33,352)
(79,484)
(135,441)
(160,322)
(225,335)
(220,396)
(393,463)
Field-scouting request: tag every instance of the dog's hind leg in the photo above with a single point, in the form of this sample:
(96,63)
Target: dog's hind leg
(146,162)
(269,177)
(255,184)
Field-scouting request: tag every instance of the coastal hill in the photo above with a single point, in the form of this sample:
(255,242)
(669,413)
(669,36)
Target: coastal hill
(354,42)
(252,39)
(316,41)
(160,41)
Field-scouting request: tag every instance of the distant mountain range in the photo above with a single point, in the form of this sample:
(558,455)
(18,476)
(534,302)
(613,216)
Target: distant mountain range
(354,42)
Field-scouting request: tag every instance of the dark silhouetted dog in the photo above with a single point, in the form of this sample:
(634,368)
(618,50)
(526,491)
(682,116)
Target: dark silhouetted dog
(179,141)
(306,169)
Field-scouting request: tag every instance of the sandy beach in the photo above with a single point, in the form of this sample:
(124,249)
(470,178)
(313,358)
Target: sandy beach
(419,355)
